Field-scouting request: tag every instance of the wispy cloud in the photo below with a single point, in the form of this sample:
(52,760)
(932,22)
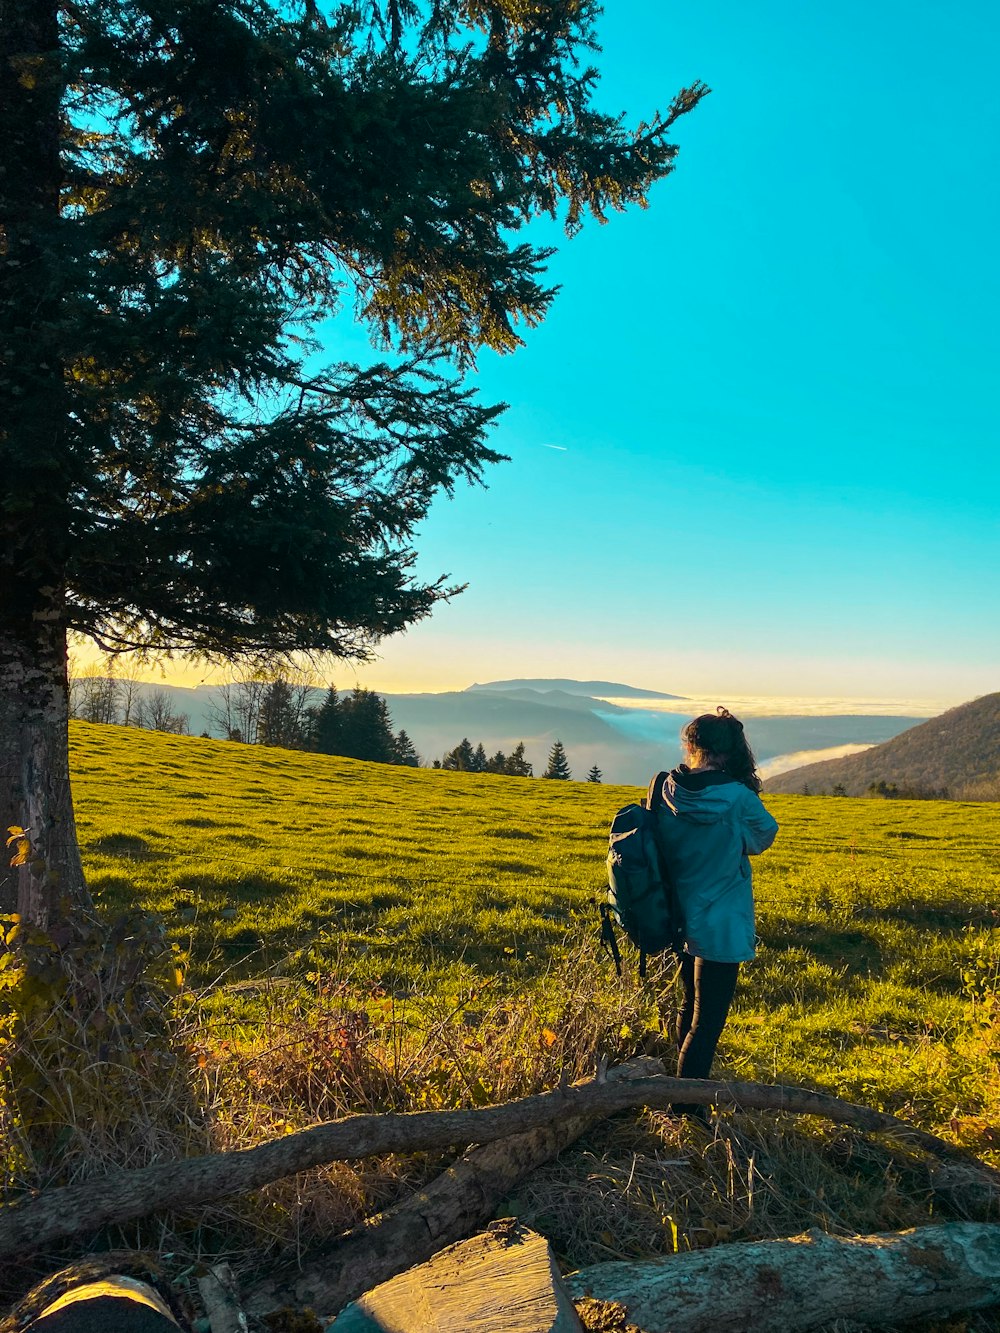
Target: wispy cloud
(561,447)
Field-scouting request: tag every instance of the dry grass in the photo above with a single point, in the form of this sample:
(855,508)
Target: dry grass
(637,1186)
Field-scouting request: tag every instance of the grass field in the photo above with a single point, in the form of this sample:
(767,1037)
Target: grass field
(878,919)
(397,937)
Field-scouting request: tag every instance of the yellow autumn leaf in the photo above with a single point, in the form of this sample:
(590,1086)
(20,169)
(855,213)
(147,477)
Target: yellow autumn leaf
(22,846)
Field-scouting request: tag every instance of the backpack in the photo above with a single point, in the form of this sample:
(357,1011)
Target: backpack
(641,898)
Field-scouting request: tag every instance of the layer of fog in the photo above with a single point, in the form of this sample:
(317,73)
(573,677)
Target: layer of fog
(754,705)
(783,763)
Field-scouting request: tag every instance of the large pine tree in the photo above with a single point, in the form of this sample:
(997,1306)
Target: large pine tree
(187,191)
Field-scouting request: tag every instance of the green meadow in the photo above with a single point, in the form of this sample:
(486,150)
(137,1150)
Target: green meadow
(877,971)
(363,937)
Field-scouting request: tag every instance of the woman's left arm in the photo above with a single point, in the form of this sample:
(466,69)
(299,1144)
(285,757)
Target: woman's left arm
(759,826)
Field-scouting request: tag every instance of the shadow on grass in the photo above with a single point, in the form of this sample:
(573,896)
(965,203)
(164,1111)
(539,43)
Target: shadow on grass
(253,888)
(128,845)
(857,949)
(929,914)
(243,839)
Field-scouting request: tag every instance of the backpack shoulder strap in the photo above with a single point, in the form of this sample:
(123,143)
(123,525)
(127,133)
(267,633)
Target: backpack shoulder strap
(654,802)
(654,793)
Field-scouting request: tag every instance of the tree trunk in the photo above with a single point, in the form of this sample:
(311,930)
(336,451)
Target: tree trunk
(34,537)
(807,1282)
(34,767)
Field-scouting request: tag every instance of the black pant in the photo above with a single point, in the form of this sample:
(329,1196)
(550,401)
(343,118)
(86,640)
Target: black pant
(708,992)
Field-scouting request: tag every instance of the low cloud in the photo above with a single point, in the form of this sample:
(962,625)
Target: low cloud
(755,705)
(781,763)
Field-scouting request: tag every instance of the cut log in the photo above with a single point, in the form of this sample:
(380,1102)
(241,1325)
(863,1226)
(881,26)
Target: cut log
(783,1286)
(460,1201)
(29,1223)
(114,1304)
(502,1281)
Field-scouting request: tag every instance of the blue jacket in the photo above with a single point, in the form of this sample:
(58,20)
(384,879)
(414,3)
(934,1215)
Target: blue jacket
(709,828)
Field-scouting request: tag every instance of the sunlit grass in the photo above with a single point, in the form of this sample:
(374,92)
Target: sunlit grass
(368,938)
(877,919)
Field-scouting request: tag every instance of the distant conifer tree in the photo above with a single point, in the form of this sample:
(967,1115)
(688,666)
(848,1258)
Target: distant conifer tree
(498,764)
(406,753)
(479,761)
(278,723)
(595,774)
(325,725)
(461,759)
(558,764)
(517,765)
(367,728)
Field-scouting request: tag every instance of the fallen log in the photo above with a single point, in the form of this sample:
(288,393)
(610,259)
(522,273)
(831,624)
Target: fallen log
(115,1304)
(119,1292)
(504,1279)
(31,1222)
(459,1201)
(806,1282)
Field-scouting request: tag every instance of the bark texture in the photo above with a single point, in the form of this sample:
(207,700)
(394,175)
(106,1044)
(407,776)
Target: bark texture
(458,1202)
(30,1223)
(809,1281)
(34,771)
(34,461)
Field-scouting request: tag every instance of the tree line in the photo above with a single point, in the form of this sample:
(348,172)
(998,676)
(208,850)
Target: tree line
(110,695)
(893,791)
(465,758)
(257,708)
(357,725)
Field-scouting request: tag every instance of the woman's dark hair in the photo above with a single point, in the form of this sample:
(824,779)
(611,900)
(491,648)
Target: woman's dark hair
(719,737)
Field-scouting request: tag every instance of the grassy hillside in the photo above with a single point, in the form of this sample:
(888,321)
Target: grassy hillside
(374,937)
(957,752)
(872,916)
(258,856)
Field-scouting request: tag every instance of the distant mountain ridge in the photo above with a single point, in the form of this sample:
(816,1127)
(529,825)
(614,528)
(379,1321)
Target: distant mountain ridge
(601,689)
(627,741)
(954,751)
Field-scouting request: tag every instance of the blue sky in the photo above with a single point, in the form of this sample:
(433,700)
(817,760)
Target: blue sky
(754,444)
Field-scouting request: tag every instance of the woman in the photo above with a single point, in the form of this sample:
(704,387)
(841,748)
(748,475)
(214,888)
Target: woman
(711,822)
